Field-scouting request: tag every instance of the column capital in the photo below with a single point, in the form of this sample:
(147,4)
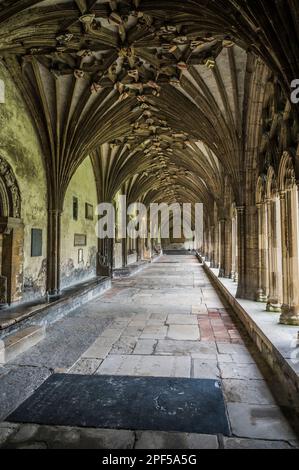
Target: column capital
(282,193)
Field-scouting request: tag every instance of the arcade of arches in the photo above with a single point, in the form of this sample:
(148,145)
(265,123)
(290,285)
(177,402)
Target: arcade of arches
(170,101)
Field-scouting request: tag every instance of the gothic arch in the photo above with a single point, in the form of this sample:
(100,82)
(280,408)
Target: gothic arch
(286,172)
(10,198)
(260,190)
(271,183)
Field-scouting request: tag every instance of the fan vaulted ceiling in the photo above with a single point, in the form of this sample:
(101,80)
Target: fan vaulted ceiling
(154,91)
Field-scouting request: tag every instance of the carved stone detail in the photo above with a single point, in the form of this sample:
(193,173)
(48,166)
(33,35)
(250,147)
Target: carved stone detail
(12,189)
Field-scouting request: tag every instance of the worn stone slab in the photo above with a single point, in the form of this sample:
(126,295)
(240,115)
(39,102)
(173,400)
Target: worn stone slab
(205,370)
(241,371)
(229,348)
(134,331)
(183,348)
(251,444)
(99,349)
(145,346)
(165,440)
(120,323)
(64,437)
(183,332)
(151,366)
(112,333)
(199,310)
(85,366)
(247,391)
(177,319)
(239,358)
(125,345)
(158,316)
(139,324)
(154,332)
(259,422)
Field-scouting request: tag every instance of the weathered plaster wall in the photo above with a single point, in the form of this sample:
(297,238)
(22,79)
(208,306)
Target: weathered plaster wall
(19,145)
(83,187)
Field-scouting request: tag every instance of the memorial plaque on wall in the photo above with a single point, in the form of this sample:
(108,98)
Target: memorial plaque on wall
(88,211)
(79,239)
(36,242)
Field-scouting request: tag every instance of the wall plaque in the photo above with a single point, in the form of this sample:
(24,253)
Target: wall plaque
(88,211)
(79,239)
(36,242)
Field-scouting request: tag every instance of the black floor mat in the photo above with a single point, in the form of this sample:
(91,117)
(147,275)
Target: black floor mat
(114,402)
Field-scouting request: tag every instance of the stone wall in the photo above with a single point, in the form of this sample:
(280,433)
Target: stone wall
(82,186)
(19,146)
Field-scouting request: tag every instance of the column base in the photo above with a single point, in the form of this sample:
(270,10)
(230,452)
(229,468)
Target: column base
(273,307)
(289,315)
(221,273)
(52,294)
(261,297)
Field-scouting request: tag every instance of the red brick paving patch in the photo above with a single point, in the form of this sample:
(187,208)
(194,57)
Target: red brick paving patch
(218,326)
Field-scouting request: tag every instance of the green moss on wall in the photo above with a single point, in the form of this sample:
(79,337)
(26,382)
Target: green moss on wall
(19,145)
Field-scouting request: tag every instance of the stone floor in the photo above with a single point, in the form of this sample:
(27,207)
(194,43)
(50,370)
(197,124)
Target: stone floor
(165,321)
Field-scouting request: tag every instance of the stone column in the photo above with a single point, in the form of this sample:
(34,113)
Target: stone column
(262,250)
(207,244)
(53,251)
(124,251)
(228,248)
(217,245)
(213,248)
(233,244)
(274,300)
(241,240)
(290,230)
(105,257)
(138,248)
(222,248)
(236,275)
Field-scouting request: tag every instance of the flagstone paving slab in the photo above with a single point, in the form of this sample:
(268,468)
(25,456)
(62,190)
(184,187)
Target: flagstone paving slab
(258,422)
(164,440)
(183,348)
(183,332)
(151,366)
(240,371)
(175,319)
(247,391)
(85,366)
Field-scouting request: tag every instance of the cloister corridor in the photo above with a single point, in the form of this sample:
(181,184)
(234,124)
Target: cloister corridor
(165,321)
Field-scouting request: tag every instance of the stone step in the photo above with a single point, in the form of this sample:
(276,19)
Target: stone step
(17,343)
